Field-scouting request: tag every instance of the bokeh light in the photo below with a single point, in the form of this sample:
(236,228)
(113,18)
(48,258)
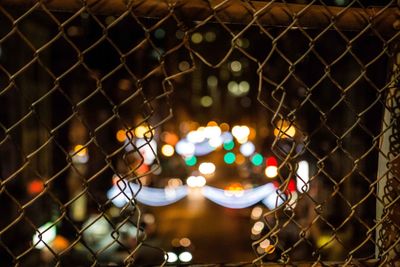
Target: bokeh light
(234,190)
(247,149)
(171,257)
(211,132)
(185,242)
(284,129)
(185,256)
(159,33)
(35,187)
(257,228)
(144,130)
(270,249)
(169,138)
(120,135)
(229,158)
(174,182)
(271,171)
(303,177)
(241,133)
(191,161)
(185,148)
(196,181)
(265,243)
(215,142)
(229,145)
(257,159)
(206,101)
(44,235)
(210,36)
(256,213)
(271,161)
(207,168)
(197,38)
(80,150)
(212,123)
(149,218)
(240,159)
(167,150)
(212,81)
(224,127)
(196,136)
(183,65)
(124,84)
(235,66)
(244,87)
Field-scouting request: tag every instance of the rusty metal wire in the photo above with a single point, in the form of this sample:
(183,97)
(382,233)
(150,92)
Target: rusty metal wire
(72,73)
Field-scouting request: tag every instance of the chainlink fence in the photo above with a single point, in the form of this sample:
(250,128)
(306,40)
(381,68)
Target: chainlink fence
(91,90)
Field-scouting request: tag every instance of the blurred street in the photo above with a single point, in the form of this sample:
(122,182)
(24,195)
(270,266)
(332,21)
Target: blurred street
(218,234)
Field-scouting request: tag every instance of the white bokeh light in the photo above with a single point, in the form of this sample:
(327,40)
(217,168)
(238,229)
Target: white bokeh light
(44,235)
(196,181)
(247,149)
(185,148)
(171,257)
(185,256)
(207,168)
(303,177)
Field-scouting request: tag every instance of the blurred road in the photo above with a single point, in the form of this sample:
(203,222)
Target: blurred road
(217,233)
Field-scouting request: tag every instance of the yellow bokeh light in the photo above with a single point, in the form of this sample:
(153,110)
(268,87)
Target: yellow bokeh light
(271,171)
(324,241)
(206,101)
(285,129)
(197,38)
(270,249)
(236,66)
(121,136)
(167,150)
(82,150)
(144,130)
(235,189)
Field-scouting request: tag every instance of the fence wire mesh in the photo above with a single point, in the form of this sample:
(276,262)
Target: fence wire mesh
(92,92)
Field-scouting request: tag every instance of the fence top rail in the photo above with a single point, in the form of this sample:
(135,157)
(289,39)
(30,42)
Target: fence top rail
(386,20)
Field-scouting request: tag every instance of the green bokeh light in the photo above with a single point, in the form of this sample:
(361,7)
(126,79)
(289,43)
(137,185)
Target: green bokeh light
(257,159)
(229,158)
(191,161)
(229,145)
